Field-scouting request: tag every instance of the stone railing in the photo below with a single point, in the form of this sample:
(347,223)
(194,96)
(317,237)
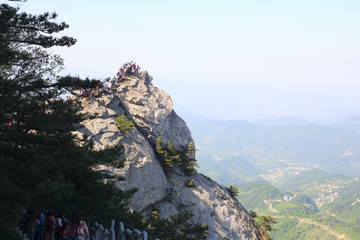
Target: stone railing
(22,236)
(98,232)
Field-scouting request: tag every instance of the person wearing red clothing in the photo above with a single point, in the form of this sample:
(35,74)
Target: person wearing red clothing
(49,226)
(67,232)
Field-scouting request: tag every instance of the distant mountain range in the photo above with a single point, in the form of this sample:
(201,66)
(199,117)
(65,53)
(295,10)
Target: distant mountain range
(283,121)
(351,124)
(233,151)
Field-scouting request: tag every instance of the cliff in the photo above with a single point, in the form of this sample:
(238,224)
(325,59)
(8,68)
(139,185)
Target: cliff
(152,112)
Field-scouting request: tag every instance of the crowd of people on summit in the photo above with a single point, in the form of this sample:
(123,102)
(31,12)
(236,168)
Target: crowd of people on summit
(127,68)
(47,227)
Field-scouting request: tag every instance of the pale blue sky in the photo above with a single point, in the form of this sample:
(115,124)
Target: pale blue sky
(274,52)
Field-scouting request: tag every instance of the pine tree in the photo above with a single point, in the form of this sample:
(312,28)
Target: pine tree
(176,227)
(191,162)
(125,125)
(168,156)
(42,164)
(234,191)
(264,224)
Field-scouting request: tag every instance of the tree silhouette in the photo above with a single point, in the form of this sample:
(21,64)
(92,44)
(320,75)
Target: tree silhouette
(42,164)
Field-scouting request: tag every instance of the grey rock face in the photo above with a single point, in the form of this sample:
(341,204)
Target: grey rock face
(152,112)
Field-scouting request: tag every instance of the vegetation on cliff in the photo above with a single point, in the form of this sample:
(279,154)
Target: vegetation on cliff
(170,156)
(264,224)
(125,125)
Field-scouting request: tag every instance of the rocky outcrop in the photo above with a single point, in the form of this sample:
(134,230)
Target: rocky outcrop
(152,112)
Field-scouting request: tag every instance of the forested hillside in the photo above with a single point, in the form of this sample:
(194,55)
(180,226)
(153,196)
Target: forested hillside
(301,216)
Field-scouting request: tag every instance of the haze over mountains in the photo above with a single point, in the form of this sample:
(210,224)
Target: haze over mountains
(268,150)
(230,101)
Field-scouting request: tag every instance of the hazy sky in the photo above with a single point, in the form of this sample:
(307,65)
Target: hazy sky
(226,59)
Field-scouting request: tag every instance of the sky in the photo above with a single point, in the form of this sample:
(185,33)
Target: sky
(228,59)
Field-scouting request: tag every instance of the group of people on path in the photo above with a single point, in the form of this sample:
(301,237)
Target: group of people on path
(47,227)
(107,86)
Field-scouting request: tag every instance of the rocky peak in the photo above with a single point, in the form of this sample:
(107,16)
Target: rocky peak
(151,110)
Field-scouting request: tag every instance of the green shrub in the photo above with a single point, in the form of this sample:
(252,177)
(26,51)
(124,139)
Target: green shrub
(234,191)
(191,162)
(253,214)
(190,183)
(169,154)
(125,125)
